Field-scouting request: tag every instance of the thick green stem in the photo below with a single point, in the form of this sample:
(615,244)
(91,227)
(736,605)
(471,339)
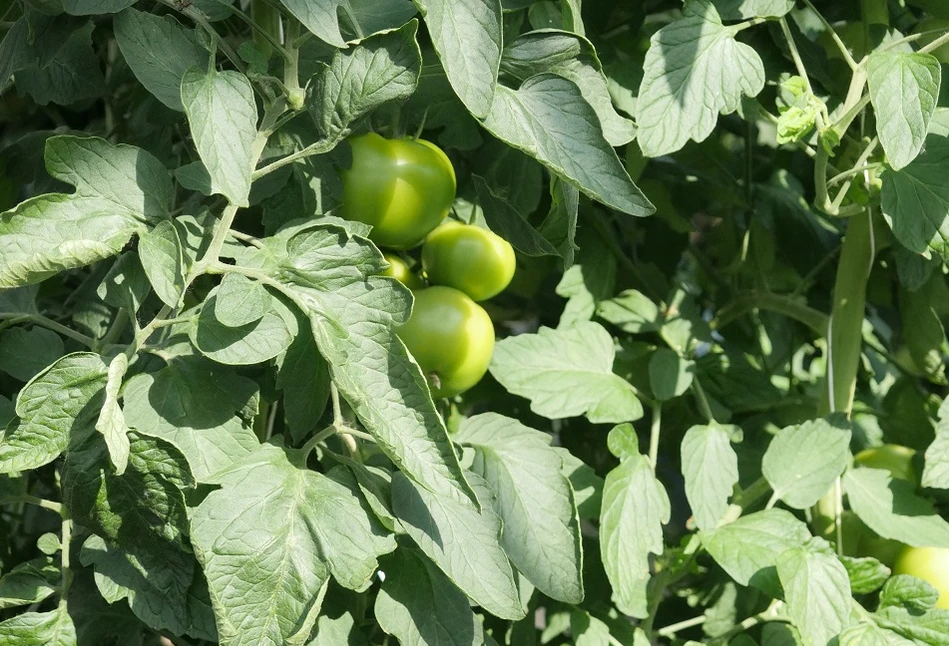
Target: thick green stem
(267,18)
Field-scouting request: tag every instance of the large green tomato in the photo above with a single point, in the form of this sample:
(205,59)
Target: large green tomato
(477,261)
(451,338)
(896,459)
(400,270)
(404,188)
(931,564)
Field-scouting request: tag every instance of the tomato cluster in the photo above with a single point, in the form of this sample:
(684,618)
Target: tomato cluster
(405,189)
(930,564)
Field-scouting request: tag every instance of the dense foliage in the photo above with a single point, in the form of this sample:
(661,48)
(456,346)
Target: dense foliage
(730,224)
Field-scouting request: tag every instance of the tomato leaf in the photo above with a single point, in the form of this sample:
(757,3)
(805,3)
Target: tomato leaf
(891,508)
(803,462)
(53,628)
(816,590)
(710,469)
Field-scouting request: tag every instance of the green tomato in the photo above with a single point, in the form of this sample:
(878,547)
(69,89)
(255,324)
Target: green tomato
(451,338)
(896,459)
(404,188)
(477,261)
(931,564)
(399,269)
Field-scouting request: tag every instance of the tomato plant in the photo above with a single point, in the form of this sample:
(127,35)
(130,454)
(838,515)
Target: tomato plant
(402,187)
(451,337)
(474,260)
(679,379)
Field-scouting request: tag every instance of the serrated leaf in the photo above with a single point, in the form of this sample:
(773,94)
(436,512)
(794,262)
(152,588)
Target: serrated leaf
(24,353)
(353,313)
(548,119)
(891,508)
(380,69)
(803,462)
(159,51)
(143,506)
(118,189)
(566,373)
(910,592)
(29,582)
(162,256)
(694,70)
(920,628)
(155,581)
(748,548)
(631,311)
(418,605)
(247,344)
(463,543)
(588,282)
(54,628)
(869,634)
(710,469)
(816,591)
(111,422)
(635,507)
(272,534)
(196,406)
(574,58)
(904,88)
(467,37)
(57,409)
(534,500)
(915,200)
(222,115)
(866,573)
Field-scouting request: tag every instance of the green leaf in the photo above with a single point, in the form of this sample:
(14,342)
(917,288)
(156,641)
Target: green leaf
(534,500)
(332,276)
(915,200)
(745,9)
(337,631)
(71,76)
(694,70)
(139,508)
(504,220)
(57,409)
(463,543)
(560,225)
(222,115)
(30,582)
(548,119)
(268,541)
(95,7)
(891,508)
(588,282)
(241,301)
(373,16)
(748,548)
(587,486)
(866,573)
(155,581)
(418,605)
(904,89)
(195,406)
(54,628)
(669,374)
(111,422)
(574,58)
(24,353)
(710,469)
(380,69)
(936,469)
(635,507)
(467,37)
(126,284)
(803,462)
(247,344)
(816,591)
(320,18)
(304,378)
(869,634)
(587,630)
(919,628)
(162,256)
(566,373)
(910,592)
(631,312)
(159,51)
(118,189)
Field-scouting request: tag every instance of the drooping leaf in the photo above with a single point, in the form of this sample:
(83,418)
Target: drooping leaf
(111,422)
(891,508)
(710,469)
(162,256)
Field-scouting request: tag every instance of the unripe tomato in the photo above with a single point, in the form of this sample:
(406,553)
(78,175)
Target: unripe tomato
(399,270)
(931,564)
(451,338)
(404,188)
(896,459)
(477,261)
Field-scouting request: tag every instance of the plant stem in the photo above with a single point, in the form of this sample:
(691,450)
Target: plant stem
(64,554)
(654,434)
(833,34)
(39,319)
(291,70)
(33,500)
(936,44)
(702,400)
(318,148)
(787,305)
(672,629)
